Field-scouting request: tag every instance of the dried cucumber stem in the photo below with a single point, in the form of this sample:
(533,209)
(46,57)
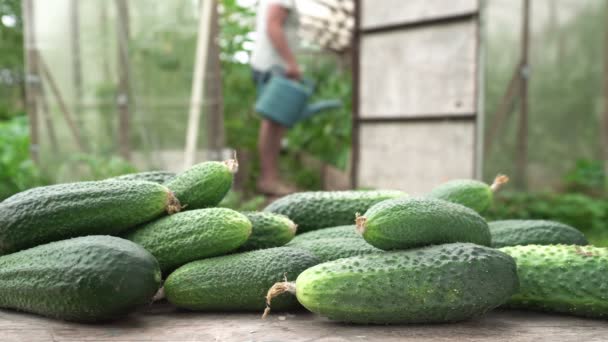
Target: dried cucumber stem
(160,294)
(173,205)
(276,290)
(360,223)
(232,164)
(499,181)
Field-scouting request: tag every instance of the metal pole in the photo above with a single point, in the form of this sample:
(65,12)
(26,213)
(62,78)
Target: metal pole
(198,81)
(522,133)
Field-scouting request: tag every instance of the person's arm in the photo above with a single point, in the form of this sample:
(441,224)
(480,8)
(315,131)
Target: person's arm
(276,17)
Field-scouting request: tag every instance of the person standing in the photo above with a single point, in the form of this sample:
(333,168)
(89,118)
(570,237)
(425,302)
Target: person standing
(277,24)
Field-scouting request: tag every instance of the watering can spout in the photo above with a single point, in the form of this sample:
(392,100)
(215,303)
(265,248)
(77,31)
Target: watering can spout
(319,107)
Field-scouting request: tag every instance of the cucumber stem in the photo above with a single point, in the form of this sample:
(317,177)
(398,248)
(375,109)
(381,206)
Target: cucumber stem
(232,164)
(276,290)
(173,205)
(360,222)
(499,181)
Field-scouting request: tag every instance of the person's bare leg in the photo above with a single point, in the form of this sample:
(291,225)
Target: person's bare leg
(269,147)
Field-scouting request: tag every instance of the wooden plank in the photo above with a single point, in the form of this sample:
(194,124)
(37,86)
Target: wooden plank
(377,13)
(415,157)
(429,70)
(162,322)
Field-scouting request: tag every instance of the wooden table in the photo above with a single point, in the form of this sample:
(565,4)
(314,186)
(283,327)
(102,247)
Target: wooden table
(161,322)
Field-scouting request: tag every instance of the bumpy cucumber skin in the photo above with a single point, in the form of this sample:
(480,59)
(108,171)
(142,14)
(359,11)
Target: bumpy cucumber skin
(203,185)
(268,230)
(534,232)
(443,283)
(470,193)
(44,214)
(159,177)
(85,279)
(339,232)
(321,209)
(561,278)
(237,282)
(191,235)
(329,249)
(414,222)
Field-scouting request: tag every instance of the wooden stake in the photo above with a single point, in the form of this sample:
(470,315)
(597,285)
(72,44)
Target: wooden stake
(604,131)
(46,114)
(62,105)
(522,132)
(32,77)
(123,98)
(214,96)
(76,61)
(198,79)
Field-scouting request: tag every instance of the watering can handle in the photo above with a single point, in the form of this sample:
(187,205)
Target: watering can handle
(307,82)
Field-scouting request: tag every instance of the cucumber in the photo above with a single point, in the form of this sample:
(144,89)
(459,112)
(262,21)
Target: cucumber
(470,193)
(321,209)
(268,230)
(85,279)
(236,282)
(560,278)
(191,235)
(534,232)
(329,249)
(413,222)
(339,232)
(62,211)
(434,284)
(159,177)
(205,184)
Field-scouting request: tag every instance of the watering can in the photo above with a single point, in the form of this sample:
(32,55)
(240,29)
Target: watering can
(285,101)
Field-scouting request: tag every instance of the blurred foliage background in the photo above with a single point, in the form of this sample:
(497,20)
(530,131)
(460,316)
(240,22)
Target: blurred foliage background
(566,175)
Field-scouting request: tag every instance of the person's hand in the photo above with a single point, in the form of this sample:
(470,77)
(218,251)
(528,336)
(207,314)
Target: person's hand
(293,71)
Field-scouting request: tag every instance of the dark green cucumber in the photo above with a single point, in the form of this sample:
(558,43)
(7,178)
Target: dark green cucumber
(236,282)
(444,283)
(204,185)
(470,193)
(321,209)
(560,278)
(159,177)
(534,232)
(191,235)
(413,222)
(329,249)
(62,211)
(268,230)
(87,279)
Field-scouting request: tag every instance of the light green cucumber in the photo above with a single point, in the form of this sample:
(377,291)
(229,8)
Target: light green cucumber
(435,284)
(404,223)
(204,185)
(191,235)
(534,232)
(474,194)
(268,230)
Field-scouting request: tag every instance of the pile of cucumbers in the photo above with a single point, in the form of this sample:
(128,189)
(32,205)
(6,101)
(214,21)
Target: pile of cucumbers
(96,251)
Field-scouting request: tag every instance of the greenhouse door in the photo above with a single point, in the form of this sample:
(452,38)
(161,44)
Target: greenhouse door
(416,93)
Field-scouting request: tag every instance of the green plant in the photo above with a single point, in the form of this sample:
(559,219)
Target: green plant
(17,171)
(587,176)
